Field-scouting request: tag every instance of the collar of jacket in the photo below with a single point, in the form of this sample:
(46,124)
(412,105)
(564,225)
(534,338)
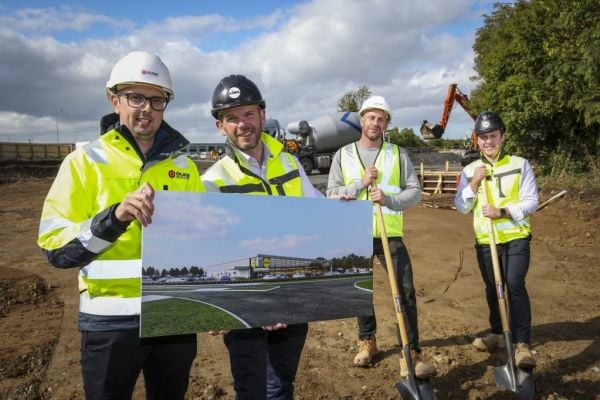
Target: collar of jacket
(274,145)
(500,157)
(173,141)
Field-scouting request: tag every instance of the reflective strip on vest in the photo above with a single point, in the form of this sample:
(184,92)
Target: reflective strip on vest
(181,161)
(51,224)
(388,180)
(96,153)
(110,287)
(110,305)
(503,189)
(89,241)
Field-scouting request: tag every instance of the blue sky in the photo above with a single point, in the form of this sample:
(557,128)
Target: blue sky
(304,55)
(205,229)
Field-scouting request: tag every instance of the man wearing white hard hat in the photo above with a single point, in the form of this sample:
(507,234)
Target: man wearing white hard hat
(372,169)
(92,220)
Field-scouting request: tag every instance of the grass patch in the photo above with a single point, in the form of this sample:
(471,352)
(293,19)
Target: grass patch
(178,316)
(368,284)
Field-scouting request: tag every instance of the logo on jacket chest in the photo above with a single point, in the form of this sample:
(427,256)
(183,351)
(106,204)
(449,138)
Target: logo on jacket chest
(178,175)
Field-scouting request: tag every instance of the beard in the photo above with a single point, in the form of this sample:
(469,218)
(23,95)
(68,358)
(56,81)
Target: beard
(374,136)
(248,139)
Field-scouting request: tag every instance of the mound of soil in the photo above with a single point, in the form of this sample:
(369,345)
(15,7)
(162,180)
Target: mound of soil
(30,318)
(39,346)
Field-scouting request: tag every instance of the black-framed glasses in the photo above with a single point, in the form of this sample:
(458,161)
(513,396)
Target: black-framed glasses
(137,100)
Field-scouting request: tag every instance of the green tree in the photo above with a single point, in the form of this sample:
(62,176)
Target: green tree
(405,138)
(446,143)
(352,100)
(539,67)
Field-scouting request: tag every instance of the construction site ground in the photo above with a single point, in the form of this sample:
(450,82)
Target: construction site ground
(39,341)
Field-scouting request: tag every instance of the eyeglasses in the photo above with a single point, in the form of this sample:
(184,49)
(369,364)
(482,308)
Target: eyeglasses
(137,100)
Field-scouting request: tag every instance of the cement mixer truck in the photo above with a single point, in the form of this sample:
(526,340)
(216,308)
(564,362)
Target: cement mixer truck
(317,140)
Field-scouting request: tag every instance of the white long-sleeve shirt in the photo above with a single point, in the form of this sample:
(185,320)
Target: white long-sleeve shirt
(528,195)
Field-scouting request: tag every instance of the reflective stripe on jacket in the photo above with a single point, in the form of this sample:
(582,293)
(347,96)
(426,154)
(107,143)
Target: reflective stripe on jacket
(388,180)
(76,229)
(502,186)
(283,175)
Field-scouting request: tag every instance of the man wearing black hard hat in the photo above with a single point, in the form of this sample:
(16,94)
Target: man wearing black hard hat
(512,192)
(263,360)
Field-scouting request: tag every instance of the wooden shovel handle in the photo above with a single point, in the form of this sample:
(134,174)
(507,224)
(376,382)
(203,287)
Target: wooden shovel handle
(391,275)
(500,292)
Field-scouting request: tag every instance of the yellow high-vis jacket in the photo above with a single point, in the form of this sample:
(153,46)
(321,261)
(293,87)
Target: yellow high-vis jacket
(388,164)
(283,175)
(78,228)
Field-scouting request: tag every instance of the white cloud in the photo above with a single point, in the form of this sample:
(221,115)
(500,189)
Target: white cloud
(186,217)
(303,59)
(46,20)
(286,242)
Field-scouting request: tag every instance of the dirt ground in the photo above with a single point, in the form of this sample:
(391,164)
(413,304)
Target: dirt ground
(39,341)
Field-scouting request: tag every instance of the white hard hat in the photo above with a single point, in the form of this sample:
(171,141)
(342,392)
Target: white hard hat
(140,67)
(378,103)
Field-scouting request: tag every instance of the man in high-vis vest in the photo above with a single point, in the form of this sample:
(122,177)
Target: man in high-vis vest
(373,169)
(264,361)
(92,220)
(513,198)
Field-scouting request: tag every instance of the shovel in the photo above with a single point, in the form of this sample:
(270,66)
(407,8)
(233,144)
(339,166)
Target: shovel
(411,388)
(508,377)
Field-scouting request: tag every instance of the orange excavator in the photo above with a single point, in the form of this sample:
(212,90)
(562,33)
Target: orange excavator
(430,131)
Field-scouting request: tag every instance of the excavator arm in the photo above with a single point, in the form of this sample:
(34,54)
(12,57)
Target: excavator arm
(431,131)
(435,131)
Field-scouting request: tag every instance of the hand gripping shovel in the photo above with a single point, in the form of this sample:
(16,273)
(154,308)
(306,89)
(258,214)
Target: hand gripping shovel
(411,388)
(508,377)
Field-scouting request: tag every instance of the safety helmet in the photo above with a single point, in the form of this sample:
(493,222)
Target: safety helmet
(378,103)
(234,91)
(140,67)
(488,121)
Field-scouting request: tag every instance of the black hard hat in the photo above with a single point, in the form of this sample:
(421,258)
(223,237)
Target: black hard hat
(488,121)
(233,91)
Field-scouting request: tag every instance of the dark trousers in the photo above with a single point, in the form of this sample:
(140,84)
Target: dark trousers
(264,364)
(514,264)
(111,363)
(367,326)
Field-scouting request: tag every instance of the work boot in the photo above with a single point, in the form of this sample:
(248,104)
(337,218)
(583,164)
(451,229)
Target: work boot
(422,369)
(368,348)
(489,342)
(523,356)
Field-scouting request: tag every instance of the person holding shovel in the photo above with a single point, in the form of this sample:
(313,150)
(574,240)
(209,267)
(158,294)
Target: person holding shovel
(371,169)
(513,198)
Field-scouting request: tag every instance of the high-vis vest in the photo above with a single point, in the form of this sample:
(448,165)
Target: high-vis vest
(90,180)
(502,185)
(388,180)
(283,175)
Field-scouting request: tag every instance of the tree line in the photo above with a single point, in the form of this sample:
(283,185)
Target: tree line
(174,271)
(537,63)
(351,261)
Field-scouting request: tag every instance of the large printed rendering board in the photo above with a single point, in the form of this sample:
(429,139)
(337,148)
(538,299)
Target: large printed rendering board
(213,261)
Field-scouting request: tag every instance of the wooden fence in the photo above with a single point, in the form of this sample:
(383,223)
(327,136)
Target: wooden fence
(34,151)
(436,182)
